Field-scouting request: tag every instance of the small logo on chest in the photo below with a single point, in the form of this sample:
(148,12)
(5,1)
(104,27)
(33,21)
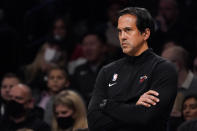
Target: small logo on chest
(143,78)
(115,77)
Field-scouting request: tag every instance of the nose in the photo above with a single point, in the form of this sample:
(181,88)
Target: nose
(7,89)
(122,36)
(187,110)
(59,115)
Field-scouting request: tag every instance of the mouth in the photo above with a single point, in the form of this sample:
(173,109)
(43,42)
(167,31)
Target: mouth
(124,44)
(188,117)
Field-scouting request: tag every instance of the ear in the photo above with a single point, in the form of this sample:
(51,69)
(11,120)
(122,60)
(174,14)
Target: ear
(146,34)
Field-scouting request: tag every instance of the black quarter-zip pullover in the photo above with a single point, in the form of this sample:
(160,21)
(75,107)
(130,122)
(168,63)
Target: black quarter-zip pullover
(121,84)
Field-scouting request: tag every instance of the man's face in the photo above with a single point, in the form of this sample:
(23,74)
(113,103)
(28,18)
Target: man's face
(20,95)
(131,39)
(92,48)
(6,85)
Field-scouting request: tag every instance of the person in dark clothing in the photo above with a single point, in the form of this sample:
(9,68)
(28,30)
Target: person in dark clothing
(136,92)
(94,48)
(20,113)
(8,81)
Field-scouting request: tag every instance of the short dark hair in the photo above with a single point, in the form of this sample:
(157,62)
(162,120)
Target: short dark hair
(11,75)
(63,69)
(144,18)
(101,37)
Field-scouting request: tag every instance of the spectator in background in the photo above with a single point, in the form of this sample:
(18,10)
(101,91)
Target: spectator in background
(8,81)
(187,81)
(34,74)
(189,107)
(189,111)
(111,31)
(69,112)
(61,32)
(168,24)
(57,80)
(94,49)
(20,111)
(58,33)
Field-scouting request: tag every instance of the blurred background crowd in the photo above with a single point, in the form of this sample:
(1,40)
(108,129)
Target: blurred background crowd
(52,50)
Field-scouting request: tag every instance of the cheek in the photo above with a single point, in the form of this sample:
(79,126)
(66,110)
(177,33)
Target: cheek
(62,83)
(194,112)
(49,83)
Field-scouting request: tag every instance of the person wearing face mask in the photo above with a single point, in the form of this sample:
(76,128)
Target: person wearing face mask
(69,112)
(20,111)
(34,74)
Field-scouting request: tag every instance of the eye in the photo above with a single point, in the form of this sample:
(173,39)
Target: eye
(193,106)
(119,31)
(64,112)
(51,77)
(127,29)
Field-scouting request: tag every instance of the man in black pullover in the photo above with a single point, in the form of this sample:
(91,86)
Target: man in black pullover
(135,93)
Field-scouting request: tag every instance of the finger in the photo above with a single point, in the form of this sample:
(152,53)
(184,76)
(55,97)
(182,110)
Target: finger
(152,92)
(149,101)
(153,98)
(145,104)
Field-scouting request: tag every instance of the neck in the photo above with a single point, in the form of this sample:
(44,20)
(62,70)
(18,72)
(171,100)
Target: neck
(182,75)
(141,49)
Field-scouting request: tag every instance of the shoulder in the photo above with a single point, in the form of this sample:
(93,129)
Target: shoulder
(165,65)
(82,66)
(188,125)
(114,64)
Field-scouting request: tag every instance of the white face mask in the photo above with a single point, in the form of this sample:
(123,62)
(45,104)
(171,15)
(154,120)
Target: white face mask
(51,55)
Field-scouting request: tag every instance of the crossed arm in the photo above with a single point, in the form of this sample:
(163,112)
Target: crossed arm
(152,105)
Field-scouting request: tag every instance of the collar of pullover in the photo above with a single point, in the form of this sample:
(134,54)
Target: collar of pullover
(142,57)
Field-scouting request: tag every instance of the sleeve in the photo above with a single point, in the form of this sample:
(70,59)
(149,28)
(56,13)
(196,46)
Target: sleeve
(164,81)
(97,121)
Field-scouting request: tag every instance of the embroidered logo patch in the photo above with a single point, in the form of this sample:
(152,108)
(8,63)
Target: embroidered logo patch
(142,78)
(115,77)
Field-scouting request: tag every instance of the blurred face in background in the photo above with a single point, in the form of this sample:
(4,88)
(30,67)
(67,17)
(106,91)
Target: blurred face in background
(171,55)
(6,85)
(168,9)
(63,111)
(57,80)
(190,109)
(64,116)
(93,48)
(59,30)
(21,94)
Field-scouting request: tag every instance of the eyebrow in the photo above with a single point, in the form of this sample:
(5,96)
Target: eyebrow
(128,27)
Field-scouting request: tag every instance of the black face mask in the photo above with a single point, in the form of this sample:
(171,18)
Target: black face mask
(15,109)
(65,122)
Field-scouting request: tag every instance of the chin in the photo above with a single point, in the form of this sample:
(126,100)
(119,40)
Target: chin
(128,52)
